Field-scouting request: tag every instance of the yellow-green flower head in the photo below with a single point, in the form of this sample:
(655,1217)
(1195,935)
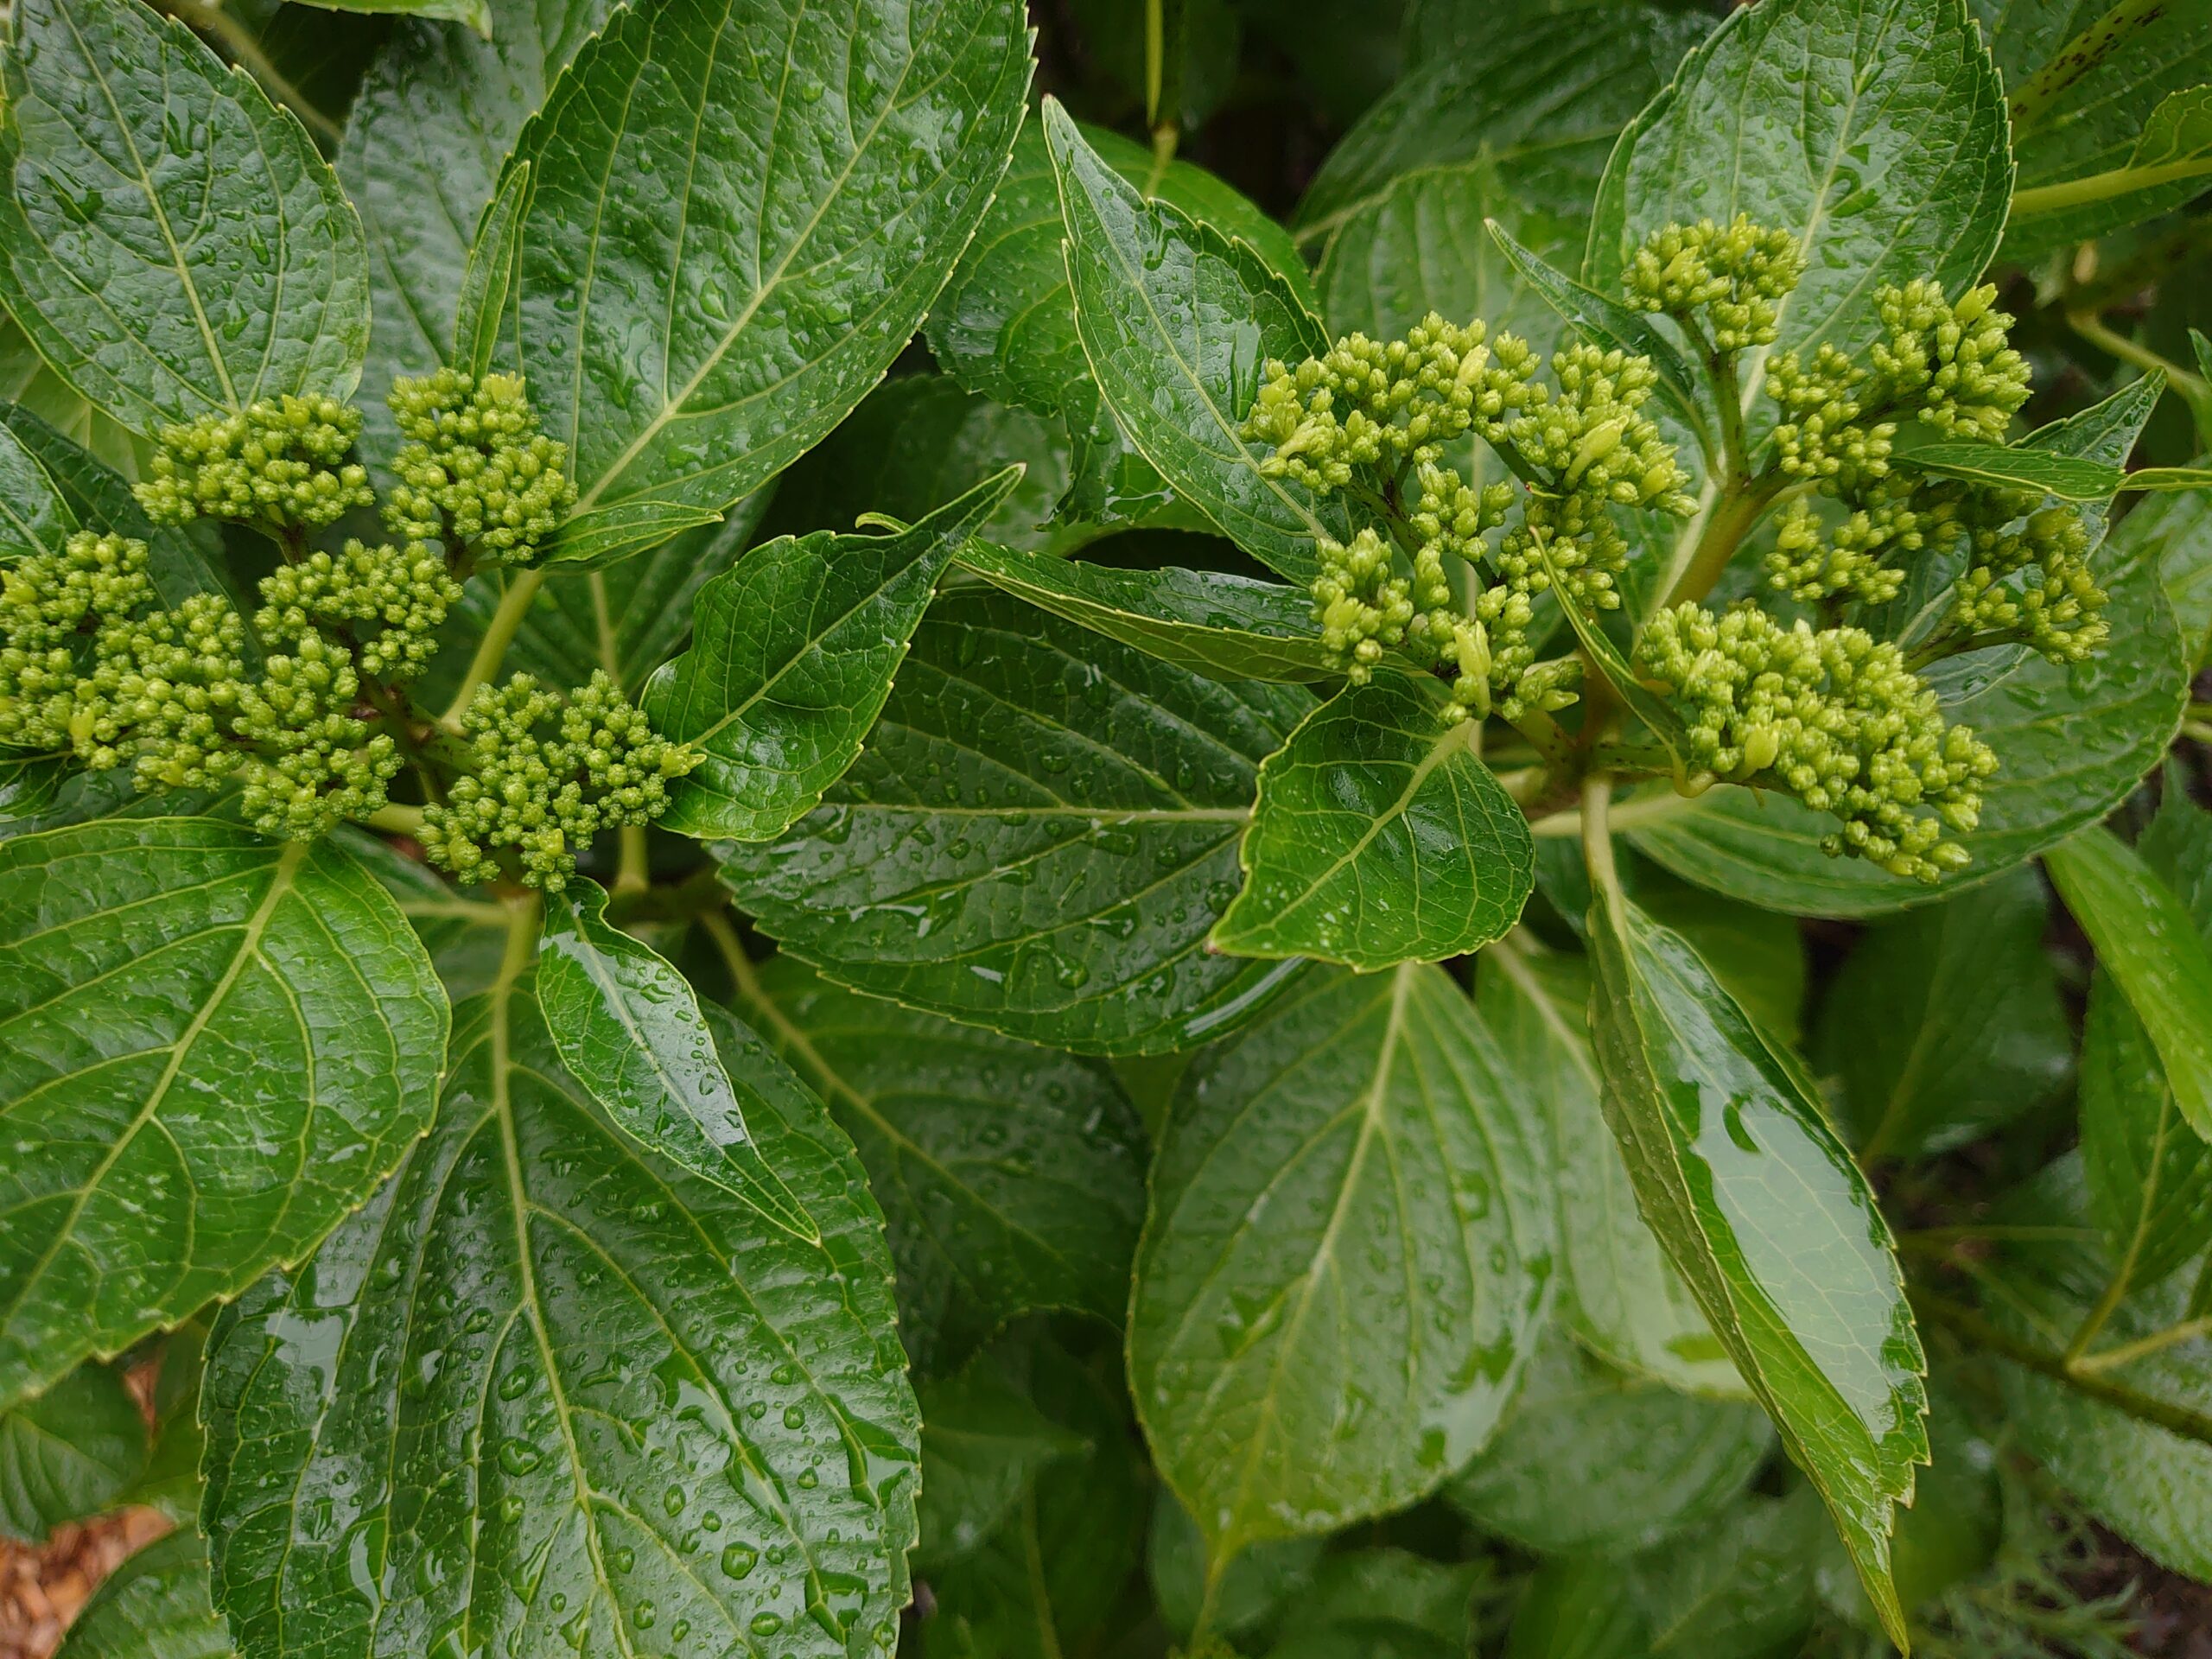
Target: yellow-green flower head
(1736,274)
(62,615)
(1949,362)
(546,773)
(1823,435)
(475,471)
(1834,716)
(389,601)
(2028,576)
(276,464)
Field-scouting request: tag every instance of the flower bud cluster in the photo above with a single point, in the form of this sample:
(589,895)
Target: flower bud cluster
(475,471)
(2028,577)
(272,464)
(1737,275)
(548,773)
(1373,420)
(1835,717)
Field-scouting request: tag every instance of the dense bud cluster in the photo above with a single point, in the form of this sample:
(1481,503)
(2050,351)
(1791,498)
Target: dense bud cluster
(1736,275)
(272,464)
(475,471)
(547,774)
(1372,420)
(1832,715)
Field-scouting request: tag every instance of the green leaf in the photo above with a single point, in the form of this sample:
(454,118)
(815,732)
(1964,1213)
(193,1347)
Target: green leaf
(1385,1604)
(791,658)
(551,1391)
(1011,1177)
(1593,1460)
(2072,740)
(1347,1256)
(2149,943)
(1573,1608)
(1229,627)
(918,442)
(1770,1222)
(1036,838)
(155,1605)
(2175,533)
(35,516)
(2071,477)
(701,301)
(628,1027)
(466,937)
(169,239)
(477,13)
(1379,838)
(1743,1588)
(1874,131)
(69,1453)
(170,1480)
(1620,1296)
(211,1047)
(1611,326)
(984,1445)
(1945,1023)
(488,277)
(437,113)
(1178,321)
(1005,325)
(1251,1589)
(1043,1584)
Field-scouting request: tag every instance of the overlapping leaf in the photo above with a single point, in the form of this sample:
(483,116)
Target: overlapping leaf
(1350,1245)
(737,216)
(211,1047)
(1768,1221)
(1379,838)
(549,1392)
(1011,1177)
(793,656)
(153,1606)
(69,1454)
(1036,838)
(169,239)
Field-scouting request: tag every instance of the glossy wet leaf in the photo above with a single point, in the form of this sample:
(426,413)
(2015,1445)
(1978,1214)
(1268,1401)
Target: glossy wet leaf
(1036,838)
(1379,838)
(700,302)
(2149,943)
(1254,1586)
(170,1480)
(1045,1584)
(69,1453)
(1619,1294)
(35,516)
(428,133)
(1591,1459)
(211,1047)
(1873,130)
(1213,623)
(1384,1604)
(606,1404)
(1349,1249)
(1768,1221)
(791,658)
(169,239)
(2072,742)
(1944,1023)
(465,934)
(1178,321)
(1011,1176)
(629,1027)
(155,1605)
(984,1445)
(2071,477)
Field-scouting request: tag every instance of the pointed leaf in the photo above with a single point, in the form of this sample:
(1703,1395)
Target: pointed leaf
(1229,627)
(35,516)
(737,218)
(1348,1253)
(793,655)
(211,1047)
(487,281)
(1379,838)
(1769,1222)
(1177,321)
(1873,130)
(984,1445)
(2070,478)
(1011,1176)
(153,1606)
(629,1028)
(1036,838)
(69,1454)
(169,239)
(550,1390)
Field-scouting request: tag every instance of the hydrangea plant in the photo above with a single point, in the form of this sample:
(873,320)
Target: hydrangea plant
(822,833)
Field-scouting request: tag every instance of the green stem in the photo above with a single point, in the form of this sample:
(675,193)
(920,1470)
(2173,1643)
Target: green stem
(246,52)
(2127,1352)
(1731,520)
(2115,1294)
(2078,57)
(2195,390)
(396,820)
(1967,1323)
(2103,187)
(1597,833)
(1164,41)
(634,873)
(492,650)
(1648,809)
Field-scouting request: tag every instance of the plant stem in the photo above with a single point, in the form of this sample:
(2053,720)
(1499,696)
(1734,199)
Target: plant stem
(2078,57)
(2103,187)
(634,873)
(1647,808)
(397,820)
(492,650)
(1165,37)
(1966,1322)
(1597,832)
(1731,520)
(2127,1352)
